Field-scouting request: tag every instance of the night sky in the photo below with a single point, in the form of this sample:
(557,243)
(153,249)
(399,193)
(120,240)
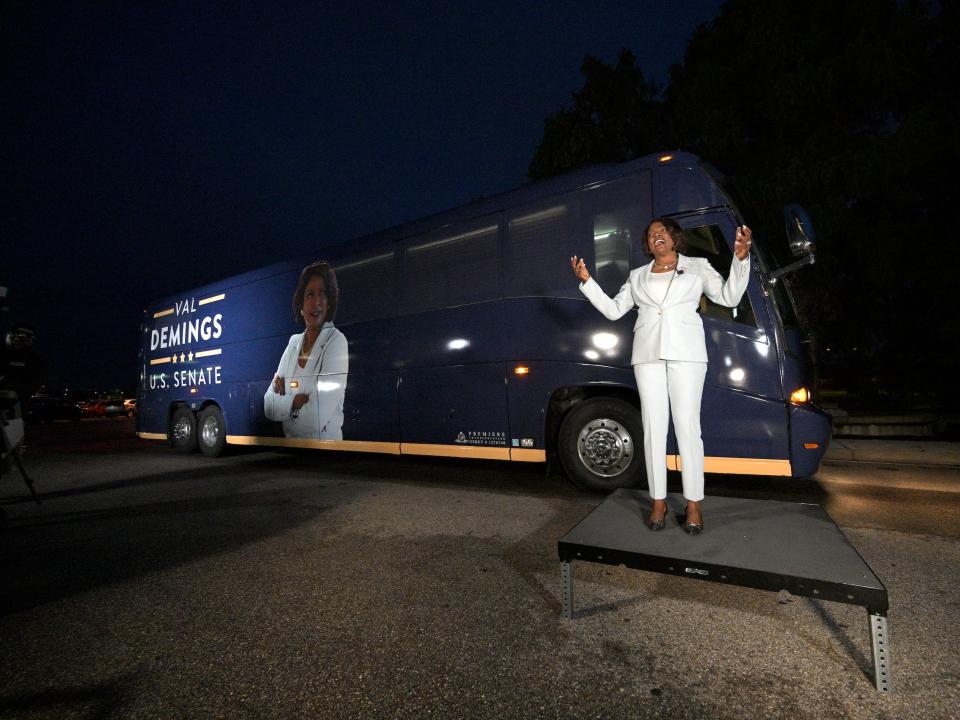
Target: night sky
(152,147)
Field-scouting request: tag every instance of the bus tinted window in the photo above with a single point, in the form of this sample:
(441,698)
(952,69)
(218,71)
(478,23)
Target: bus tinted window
(452,267)
(680,189)
(372,287)
(707,241)
(611,247)
(620,211)
(540,242)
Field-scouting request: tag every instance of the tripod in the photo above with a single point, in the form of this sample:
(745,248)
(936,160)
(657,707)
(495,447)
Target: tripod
(11,436)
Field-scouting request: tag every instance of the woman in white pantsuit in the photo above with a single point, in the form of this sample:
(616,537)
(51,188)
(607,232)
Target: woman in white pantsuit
(669,350)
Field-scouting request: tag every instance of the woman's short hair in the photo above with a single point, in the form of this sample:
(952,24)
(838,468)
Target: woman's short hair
(323,270)
(673,230)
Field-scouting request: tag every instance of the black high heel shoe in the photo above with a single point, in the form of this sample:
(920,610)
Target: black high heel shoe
(658,524)
(692,528)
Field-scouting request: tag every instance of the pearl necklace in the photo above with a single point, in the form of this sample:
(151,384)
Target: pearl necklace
(664,267)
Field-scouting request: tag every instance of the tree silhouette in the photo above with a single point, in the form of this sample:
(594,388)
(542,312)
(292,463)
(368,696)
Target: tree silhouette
(612,120)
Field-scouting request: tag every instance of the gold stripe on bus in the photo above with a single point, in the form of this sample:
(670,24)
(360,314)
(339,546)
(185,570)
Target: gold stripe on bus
(352,445)
(211,299)
(719,465)
(737,466)
(163,313)
(160,361)
(527,455)
(459,451)
(207,353)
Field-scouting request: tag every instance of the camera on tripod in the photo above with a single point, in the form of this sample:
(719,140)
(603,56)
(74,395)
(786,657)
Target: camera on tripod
(11,428)
(11,422)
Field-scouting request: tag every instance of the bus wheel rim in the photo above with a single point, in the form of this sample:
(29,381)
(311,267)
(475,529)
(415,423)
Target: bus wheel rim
(605,447)
(210,431)
(181,429)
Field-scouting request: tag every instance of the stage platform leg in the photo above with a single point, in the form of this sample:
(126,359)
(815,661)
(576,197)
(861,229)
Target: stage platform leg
(879,647)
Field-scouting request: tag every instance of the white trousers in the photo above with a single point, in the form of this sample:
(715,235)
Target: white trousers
(665,386)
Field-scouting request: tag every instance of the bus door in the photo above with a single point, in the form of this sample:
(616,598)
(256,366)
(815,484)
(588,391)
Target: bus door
(743,413)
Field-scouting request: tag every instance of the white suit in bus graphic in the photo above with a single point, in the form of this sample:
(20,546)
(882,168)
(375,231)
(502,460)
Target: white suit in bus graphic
(323,379)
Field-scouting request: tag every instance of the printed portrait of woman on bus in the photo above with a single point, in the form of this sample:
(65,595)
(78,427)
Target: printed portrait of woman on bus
(309,387)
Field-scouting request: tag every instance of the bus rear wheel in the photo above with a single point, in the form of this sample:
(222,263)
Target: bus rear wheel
(601,445)
(211,432)
(183,430)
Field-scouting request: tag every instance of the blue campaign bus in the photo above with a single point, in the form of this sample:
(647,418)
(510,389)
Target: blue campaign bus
(465,334)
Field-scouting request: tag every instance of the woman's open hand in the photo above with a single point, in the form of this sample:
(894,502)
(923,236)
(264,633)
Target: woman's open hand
(579,268)
(278,386)
(741,246)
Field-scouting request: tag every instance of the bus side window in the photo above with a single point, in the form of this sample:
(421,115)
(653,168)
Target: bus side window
(707,241)
(611,250)
(620,210)
(367,288)
(456,266)
(539,246)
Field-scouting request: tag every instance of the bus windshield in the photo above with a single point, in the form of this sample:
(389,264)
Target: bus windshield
(767,257)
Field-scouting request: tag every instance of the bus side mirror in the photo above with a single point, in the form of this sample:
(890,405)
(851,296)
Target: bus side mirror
(802,238)
(800,233)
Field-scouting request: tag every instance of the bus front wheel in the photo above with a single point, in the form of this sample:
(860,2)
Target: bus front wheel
(601,445)
(211,433)
(183,430)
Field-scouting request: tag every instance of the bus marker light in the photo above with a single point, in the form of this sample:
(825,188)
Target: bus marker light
(811,446)
(521,370)
(294,384)
(800,395)
(193,391)
(666,158)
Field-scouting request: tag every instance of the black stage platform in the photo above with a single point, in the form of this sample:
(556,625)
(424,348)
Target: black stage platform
(755,543)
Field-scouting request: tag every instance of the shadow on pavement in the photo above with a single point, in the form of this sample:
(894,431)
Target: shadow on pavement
(54,555)
(101,700)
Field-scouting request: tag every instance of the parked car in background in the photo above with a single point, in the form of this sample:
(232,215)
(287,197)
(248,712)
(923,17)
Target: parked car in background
(130,404)
(95,408)
(47,408)
(114,408)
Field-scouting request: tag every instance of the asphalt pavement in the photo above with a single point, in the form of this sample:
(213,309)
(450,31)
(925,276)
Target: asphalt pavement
(268,584)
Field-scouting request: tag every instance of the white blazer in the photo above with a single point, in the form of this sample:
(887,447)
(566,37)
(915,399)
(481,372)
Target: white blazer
(324,379)
(673,330)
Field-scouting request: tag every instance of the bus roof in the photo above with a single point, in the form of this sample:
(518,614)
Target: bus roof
(578,179)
